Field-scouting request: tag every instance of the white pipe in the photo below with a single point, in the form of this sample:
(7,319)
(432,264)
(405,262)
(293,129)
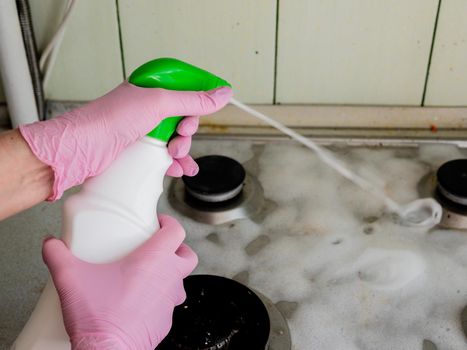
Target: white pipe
(14,69)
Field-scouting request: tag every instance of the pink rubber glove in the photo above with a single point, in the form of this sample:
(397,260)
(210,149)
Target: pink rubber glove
(127,304)
(83,142)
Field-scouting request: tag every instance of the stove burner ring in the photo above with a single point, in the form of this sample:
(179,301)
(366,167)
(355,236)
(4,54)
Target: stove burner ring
(219,179)
(452,181)
(215,198)
(451,197)
(207,199)
(449,187)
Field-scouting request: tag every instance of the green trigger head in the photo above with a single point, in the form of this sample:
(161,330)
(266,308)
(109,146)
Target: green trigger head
(172,74)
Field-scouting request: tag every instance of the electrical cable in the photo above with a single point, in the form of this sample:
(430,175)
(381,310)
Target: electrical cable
(49,55)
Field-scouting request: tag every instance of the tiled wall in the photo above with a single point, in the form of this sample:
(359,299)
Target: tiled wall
(372,52)
(235,39)
(447,81)
(89,61)
(354,52)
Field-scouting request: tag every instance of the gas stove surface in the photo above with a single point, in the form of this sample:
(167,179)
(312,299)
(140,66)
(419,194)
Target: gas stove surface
(343,273)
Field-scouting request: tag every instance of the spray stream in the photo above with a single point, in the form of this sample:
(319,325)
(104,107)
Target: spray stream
(424,212)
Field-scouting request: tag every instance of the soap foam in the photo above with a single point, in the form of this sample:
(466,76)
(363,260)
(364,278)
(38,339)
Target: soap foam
(366,292)
(361,280)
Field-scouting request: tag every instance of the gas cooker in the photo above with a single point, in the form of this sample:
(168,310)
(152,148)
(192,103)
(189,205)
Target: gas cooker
(343,273)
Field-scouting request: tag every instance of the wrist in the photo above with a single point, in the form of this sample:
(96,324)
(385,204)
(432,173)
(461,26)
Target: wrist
(55,143)
(25,180)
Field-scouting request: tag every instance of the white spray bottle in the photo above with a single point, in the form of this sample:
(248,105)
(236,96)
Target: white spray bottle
(115,212)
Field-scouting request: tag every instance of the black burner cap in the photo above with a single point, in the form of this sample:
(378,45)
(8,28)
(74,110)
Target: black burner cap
(219,313)
(220,178)
(452,180)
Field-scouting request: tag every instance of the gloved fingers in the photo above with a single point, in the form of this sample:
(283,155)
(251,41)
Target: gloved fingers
(194,102)
(179,146)
(56,255)
(189,166)
(175,169)
(183,166)
(189,259)
(168,238)
(180,296)
(188,126)
(185,252)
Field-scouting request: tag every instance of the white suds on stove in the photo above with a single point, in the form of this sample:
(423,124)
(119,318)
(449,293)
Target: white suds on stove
(360,280)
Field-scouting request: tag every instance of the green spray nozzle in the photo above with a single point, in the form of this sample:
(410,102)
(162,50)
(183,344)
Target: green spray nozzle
(173,74)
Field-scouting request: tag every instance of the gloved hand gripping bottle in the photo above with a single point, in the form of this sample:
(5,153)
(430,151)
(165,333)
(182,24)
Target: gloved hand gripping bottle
(115,212)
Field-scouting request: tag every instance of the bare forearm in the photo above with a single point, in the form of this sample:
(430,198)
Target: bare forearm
(24,179)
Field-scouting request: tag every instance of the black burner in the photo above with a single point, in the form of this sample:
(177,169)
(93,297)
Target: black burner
(452,183)
(218,313)
(219,179)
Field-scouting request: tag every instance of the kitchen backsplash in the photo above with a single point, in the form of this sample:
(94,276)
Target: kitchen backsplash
(364,52)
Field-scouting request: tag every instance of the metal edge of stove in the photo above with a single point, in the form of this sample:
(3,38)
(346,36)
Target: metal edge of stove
(279,338)
(343,138)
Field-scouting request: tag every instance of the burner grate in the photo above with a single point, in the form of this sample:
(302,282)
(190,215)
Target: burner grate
(220,313)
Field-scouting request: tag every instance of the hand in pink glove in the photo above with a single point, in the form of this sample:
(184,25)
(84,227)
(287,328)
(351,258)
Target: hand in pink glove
(127,304)
(83,142)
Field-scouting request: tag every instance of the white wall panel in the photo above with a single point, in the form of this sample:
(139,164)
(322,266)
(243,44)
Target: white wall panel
(447,83)
(234,39)
(354,52)
(88,63)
